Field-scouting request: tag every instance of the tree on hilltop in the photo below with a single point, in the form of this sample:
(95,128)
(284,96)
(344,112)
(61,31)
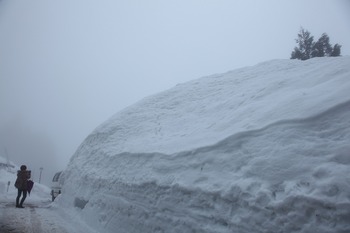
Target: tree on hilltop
(305,44)
(307,48)
(336,51)
(322,47)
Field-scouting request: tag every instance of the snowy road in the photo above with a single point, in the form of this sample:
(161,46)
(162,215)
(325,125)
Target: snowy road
(38,217)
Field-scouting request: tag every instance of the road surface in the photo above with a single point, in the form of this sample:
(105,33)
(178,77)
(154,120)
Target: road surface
(39,217)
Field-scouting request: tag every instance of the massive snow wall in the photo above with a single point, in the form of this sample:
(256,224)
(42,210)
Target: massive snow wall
(258,149)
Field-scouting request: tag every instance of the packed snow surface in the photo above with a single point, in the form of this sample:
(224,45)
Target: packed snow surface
(258,149)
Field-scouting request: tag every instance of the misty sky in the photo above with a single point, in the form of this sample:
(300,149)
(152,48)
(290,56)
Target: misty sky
(66,66)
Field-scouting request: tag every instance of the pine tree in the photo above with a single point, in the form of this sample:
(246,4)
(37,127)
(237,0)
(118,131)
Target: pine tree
(305,42)
(308,49)
(322,47)
(336,51)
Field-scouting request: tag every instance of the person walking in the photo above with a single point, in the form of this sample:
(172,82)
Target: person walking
(21,184)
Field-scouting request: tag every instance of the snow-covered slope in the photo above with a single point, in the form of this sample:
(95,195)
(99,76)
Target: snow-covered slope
(259,149)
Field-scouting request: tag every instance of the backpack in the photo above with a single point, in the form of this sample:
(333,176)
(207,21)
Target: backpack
(16,184)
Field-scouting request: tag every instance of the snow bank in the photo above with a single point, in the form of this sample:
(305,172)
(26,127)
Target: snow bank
(259,149)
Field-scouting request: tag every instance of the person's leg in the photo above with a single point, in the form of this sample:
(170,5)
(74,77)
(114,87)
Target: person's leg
(23,198)
(18,197)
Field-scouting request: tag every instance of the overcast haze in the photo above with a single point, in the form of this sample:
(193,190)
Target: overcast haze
(67,66)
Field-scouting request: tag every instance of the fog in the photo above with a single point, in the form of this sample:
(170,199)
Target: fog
(32,148)
(67,66)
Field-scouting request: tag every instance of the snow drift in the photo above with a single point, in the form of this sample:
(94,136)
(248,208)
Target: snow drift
(259,149)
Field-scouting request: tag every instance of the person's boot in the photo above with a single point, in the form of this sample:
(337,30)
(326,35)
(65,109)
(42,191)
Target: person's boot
(21,204)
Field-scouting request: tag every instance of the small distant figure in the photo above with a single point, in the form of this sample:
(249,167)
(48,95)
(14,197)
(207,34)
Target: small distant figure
(22,185)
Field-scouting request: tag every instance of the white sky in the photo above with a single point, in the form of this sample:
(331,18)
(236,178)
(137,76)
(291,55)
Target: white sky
(67,66)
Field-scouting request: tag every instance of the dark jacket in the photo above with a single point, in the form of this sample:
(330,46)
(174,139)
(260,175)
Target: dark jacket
(22,179)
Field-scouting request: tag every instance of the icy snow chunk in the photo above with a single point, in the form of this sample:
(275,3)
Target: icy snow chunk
(80,203)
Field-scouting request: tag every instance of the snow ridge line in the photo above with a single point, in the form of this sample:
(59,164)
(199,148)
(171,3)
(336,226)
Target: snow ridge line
(322,114)
(196,161)
(238,135)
